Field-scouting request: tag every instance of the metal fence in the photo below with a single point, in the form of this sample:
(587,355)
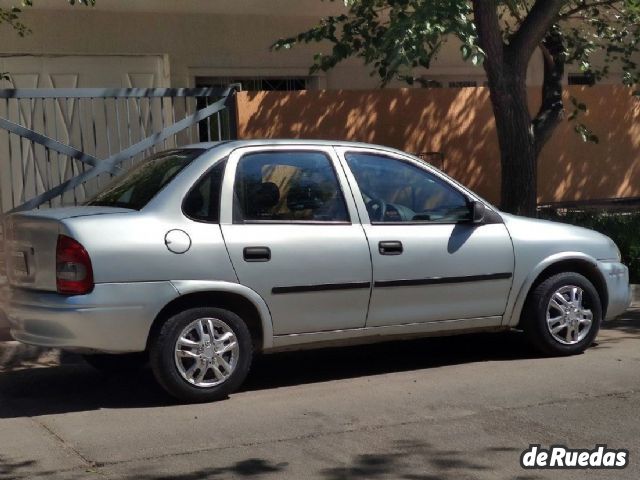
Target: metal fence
(59,146)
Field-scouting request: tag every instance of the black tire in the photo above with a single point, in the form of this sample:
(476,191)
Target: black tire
(534,315)
(162,350)
(116,364)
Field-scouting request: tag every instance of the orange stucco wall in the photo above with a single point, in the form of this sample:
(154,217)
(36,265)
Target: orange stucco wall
(459,123)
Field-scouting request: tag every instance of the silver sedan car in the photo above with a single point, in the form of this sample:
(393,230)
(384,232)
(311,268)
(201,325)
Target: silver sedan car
(201,257)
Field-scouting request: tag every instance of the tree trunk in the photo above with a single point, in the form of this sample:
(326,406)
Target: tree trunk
(506,73)
(518,153)
(519,137)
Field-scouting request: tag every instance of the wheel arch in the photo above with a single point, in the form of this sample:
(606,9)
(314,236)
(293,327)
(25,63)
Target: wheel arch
(573,262)
(234,297)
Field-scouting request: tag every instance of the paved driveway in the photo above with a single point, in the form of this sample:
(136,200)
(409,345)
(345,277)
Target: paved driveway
(450,408)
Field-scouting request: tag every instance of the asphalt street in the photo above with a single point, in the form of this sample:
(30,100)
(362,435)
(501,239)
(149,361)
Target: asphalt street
(439,408)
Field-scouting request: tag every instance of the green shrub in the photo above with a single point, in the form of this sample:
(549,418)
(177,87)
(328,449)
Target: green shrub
(622,228)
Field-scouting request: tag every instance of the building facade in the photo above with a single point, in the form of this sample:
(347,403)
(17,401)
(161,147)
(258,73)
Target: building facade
(187,43)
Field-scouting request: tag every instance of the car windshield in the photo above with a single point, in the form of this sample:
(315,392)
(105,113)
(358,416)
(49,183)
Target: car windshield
(139,185)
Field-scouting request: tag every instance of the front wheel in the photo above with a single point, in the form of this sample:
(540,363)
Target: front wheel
(202,354)
(562,314)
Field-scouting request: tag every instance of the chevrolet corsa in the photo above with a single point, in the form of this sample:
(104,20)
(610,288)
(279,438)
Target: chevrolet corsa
(203,256)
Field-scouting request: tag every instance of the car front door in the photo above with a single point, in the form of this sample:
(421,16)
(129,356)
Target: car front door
(430,261)
(294,237)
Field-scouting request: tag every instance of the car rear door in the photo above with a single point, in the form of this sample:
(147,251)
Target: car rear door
(430,263)
(293,234)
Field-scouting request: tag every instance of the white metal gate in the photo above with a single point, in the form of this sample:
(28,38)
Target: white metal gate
(58,146)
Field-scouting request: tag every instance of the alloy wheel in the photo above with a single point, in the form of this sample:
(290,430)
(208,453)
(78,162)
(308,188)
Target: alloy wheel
(206,352)
(568,319)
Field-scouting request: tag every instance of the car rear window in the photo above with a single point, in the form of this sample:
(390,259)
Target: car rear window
(139,185)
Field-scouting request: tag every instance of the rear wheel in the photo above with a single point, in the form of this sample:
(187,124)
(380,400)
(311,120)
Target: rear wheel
(117,363)
(562,314)
(202,354)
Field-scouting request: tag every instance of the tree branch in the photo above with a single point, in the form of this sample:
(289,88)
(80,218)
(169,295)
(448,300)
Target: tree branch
(551,108)
(532,31)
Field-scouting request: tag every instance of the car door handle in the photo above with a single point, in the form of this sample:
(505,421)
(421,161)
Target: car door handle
(392,247)
(256,254)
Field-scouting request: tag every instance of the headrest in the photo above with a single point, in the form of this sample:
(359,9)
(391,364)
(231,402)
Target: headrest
(264,196)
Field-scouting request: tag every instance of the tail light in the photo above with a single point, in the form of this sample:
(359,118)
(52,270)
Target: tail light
(74,275)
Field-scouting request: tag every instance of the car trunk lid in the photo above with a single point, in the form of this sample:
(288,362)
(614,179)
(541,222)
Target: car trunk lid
(31,239)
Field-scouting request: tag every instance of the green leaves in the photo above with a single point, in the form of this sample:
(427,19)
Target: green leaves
(603,37)
(393,37)
(580,128)
(578,107)
(11,15)
(472,53)
(585,133)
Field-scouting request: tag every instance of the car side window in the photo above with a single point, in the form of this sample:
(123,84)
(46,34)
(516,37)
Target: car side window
(202,203)
(287,186)
(397,191)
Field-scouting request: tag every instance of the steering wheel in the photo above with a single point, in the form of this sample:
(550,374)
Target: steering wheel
(376,207)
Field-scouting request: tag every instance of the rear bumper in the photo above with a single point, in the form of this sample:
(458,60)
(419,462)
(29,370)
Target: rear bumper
(115,317)
(616,276)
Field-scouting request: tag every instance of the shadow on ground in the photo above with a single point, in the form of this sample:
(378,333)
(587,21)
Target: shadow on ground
(629,324)
(74,386)
(404,460)
(9,468)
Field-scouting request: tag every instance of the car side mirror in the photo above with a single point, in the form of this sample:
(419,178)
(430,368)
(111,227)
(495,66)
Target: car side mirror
(477,212)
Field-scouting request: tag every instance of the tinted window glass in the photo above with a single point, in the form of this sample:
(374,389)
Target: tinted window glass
(396,191)
(139,185)
(203,201)
(287,186)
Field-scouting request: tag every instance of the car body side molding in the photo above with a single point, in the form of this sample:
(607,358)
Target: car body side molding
(320,287)
(442,280)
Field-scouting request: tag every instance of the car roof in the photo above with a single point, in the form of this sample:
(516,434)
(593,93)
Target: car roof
(284,141)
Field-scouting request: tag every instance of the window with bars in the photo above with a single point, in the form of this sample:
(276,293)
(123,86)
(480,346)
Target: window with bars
(441,81)
(581,79)
(209,129)
(252,84)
